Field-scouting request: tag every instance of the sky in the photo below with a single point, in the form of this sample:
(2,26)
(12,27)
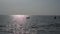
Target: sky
(30,7)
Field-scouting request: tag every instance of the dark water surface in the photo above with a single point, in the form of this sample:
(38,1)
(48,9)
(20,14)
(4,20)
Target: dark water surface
(33,24)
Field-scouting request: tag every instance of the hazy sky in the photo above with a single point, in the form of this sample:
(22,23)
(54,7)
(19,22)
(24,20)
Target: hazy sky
(38,7)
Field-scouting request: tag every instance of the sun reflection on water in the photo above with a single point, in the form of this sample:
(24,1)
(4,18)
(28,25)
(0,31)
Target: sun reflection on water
(17,24)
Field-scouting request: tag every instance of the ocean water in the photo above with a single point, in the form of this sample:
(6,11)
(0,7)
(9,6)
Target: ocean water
(29,24)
